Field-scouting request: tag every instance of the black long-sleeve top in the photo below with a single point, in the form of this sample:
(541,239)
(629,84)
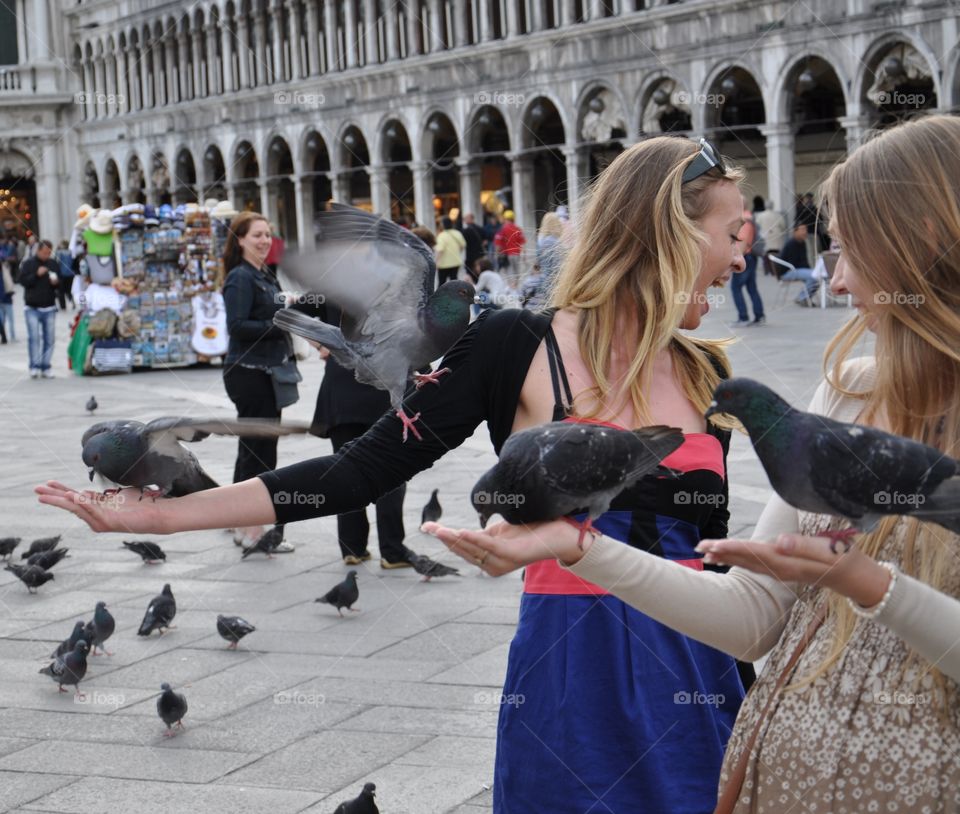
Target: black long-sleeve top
(488,366)
(251,297)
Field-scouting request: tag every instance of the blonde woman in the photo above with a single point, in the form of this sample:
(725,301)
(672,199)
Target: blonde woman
(858,707)
(602,703)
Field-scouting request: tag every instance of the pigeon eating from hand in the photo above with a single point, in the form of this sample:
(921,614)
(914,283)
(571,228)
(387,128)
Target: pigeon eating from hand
(566,467)
(70,642)
(393,323)
(432,510)
(171,707)
(362,804)
(130,453)
(160,613)
(33,576)
(43,544)
(233,629)
(92,404)
(70,668)
(149,552)
(7,544)
(852,471)
(429,569)
(47,559)
(100,628)
(343,594)
(267,543)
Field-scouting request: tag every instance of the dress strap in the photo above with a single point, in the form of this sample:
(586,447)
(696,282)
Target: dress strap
(558,375)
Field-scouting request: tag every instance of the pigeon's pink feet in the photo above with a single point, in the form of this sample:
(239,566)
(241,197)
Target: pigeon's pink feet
(408,422)
(169,734)
(153,494)
(62,689)
(420,379)
(232,645)
(586,527)
(80,695)
(843,537)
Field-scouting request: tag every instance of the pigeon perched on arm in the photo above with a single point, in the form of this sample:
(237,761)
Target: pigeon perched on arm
(100,628)
(149,552)
(160,613)
(130,453)
(364,803)
(852,471)
(43,544)
(267,543)
(343,594)
(171,707)
(233,629)
(7,544)
(432,510)
(429,569)
(70,642)
(33,576)
(47,559)
(561,468)
(70,669)
(92,404)
(381,276)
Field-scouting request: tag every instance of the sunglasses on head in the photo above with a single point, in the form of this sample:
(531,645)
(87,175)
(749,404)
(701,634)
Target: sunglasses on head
(707,159)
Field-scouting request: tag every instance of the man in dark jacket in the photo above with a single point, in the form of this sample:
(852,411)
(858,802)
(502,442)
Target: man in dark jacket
(38,276)
(473,234)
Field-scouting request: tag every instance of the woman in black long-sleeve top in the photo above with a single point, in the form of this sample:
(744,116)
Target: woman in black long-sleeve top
(252,296)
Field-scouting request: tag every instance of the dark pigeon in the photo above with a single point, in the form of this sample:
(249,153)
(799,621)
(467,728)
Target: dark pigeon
(33,576)
(563,468)
(267,543)
(149,552)
(233,629)
(362,804)
(43,544)
(70,669)
(92,404)
(70,642)
(130,453)
(100,628)
(171,707)
(381,276)
(432,510)
(7,544)
(824,466)
(160,613)
(429,569)
(47,559)
(344,594)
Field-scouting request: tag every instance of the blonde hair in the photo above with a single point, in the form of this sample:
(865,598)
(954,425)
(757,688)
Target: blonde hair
(895,206)
(640,248)
(551,226)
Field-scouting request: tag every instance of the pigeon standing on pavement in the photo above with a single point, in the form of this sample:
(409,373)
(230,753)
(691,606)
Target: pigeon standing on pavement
(70,642)
(149,552)
(429,569)
(233,629)
(92,404)
(7,544)
(33,576)
(267,543)
(362,804)
(43,544)
(47,559)
(69,669)
(130,453)
(160,613)
(100,628)
(343,594)
(562,468)
(393,323)
(432,511)
(171,707)
(824,466)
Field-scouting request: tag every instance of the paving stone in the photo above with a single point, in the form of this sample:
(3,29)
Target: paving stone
(19,788)
(476,723)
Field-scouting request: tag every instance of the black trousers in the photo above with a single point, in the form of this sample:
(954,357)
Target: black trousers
(446,275)
(252,393)
(353,528)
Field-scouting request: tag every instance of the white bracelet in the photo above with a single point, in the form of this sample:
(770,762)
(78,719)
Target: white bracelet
(873,612)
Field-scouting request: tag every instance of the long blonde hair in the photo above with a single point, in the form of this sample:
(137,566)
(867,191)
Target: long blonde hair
(639,248)
(895,206)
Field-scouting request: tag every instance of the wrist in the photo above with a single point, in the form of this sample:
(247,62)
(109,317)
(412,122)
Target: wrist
(571,547)
(868,585)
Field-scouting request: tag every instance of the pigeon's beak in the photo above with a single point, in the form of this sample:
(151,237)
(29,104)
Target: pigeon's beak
(713,409)
(483,521)
(91,473)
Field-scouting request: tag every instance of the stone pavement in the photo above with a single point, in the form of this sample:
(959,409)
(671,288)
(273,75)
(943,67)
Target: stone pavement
(403,694)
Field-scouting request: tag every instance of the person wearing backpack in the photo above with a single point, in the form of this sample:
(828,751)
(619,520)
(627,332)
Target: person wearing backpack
(748,277)
(772,227)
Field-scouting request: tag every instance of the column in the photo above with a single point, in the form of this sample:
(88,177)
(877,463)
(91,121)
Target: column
(855,127)
(380,190)
(276,15)
(413,26)
(521,171)
(170,66)
(513,18)
(186,81)
(537,18)
(470,188)
(485,20)
(350,32)
(330,34)
(371,54)
(313,37)
(423,193)
(393,35)
(296,57)
(566,13)
(123,83)
(341,187)
(134,78)
(226,56)
(268,199)
(197,53)
(596,10)
(780,167)
(243,51)
(50,214)
(100,83)
(214,85)
(42,35)
(303,198)
(571,158)
(436,27)
(262,72)
(459,25)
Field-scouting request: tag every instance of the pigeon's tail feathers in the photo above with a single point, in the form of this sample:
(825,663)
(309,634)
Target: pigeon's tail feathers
(295,322)
(147,625)
(207,481)
(943,505)
(248,551)
(323,599)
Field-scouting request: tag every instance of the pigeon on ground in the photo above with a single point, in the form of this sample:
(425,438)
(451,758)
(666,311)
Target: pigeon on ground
(43,544)
(70,642)
(171,707)
(429,569)
(343,594)
(7,544)
(160,613)
(100,628)
(233,629)
(432,510)
(47,559)
(562,468)
(267,543)
(149,552)
(33,576)
(70,669)
(363,804)
(824,466)
(92,404)
(130,453)
(381,277)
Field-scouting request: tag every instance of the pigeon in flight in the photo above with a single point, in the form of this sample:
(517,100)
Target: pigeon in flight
(362,804)
(33,576)
(92,404)
(233,629)
(43,544)
(343,594)
(69,669)
(432,510)
(149,552)
(392,322)
(171,707)
(100,628)
(7,544)
(160,613)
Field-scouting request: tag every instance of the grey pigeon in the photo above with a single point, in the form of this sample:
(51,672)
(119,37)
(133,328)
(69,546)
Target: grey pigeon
(171,707)
(429,569)
(432,510)
(381,276)
(562,468)
(92,404)
(7,544)
(100,628)
(362,804)
(130,453)
(43,544)
(343,594)
(69,669)
(47,559)
(824,466)
(68,644)
(33,576)
(149,552)
(233,629)
(267,543)
(160,613)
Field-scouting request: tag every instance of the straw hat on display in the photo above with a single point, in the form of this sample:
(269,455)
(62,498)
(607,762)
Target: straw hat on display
(224,210)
